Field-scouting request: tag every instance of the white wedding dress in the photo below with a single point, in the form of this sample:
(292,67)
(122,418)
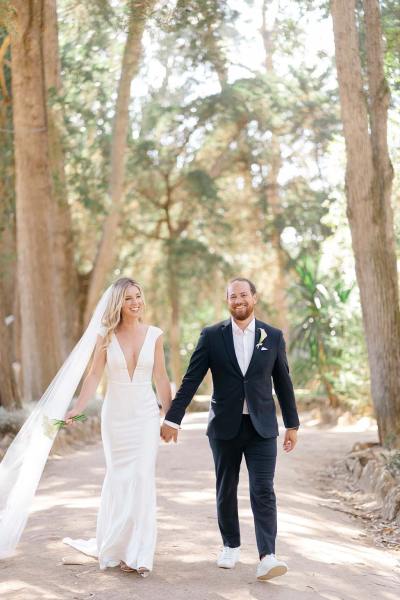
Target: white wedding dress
(130,428)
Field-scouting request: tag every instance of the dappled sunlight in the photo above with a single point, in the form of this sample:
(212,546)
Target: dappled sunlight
(327,558)
(52,483)
(190,497)
(302,498)
(26,591)
(311,525)
(361,425)
(173,526)
(69,498)
(191,558)
(330,552)
(309,532)
(82,503)
(72,499)
(241,159)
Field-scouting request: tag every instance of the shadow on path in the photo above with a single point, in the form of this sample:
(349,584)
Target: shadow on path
(328,555)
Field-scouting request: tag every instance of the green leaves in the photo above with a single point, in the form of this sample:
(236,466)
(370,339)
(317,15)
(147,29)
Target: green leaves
(318,337)
(391,30)
(199,183)
(52,426)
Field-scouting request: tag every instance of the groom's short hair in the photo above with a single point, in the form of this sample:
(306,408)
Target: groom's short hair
(251,284)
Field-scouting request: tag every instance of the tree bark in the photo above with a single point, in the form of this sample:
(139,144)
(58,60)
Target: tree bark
(9,392)
(369,176)
(66,290)
(174,330)
(106,252)
(40,331)
(217,56)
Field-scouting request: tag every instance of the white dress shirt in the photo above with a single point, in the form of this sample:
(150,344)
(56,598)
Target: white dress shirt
(243,342)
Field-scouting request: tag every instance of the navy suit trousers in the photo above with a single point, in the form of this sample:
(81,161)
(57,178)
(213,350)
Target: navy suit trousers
(260,456)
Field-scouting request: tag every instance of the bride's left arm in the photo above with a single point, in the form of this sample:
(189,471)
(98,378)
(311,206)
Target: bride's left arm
(160,376)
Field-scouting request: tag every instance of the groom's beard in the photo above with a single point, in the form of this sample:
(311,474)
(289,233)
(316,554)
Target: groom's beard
(241,313)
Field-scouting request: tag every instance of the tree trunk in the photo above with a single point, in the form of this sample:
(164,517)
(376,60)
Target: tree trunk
(9,392)
(174,330)
(106,252)
(66,290)
(272,192)
(369,177)
(216,56)
(40,331)
(333,398)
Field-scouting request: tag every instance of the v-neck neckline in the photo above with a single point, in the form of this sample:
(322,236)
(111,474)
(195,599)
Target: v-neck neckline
(139,355)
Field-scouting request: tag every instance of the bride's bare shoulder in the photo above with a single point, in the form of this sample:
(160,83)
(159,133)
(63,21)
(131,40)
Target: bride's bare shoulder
(156,329)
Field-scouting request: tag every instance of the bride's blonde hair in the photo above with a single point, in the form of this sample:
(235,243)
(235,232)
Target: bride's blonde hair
(112,314)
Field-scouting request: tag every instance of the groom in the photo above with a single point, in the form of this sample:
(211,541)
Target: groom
(243,354)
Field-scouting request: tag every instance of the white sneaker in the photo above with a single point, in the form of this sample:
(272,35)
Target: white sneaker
(228,557)
(270,567)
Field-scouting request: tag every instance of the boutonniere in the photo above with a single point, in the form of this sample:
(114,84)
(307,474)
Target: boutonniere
(263,336)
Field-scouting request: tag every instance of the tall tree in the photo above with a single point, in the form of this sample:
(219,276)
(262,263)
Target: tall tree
(364,99)
(66,289)
(201,25)
(173,198)
(9,391)
(40,324)
(106,253)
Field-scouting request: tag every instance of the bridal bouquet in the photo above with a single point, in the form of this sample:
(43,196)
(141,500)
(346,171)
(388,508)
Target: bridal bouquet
(52,426)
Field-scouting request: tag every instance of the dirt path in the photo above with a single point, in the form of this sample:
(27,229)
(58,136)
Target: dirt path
(328,554)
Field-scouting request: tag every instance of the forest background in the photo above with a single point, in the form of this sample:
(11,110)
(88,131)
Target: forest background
(184,143)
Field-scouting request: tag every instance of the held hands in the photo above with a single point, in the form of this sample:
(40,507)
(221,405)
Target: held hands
(290,440)
(168,433)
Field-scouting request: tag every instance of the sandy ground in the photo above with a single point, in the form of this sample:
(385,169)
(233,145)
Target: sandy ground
(328,554)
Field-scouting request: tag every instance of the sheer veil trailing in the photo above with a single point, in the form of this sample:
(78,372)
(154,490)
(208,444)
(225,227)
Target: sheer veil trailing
(23,464)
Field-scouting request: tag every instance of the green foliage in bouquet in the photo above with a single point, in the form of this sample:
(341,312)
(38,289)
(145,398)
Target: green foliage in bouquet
(52,426)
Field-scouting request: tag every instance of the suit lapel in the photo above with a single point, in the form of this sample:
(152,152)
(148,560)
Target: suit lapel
(228,341)
(255,352)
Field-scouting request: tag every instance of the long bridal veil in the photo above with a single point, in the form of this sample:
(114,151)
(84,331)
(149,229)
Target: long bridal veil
(23,464)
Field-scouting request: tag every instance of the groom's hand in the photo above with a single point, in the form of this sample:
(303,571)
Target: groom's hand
(169,433)
(290,440)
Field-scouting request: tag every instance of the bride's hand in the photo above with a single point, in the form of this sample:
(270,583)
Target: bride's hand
(70,414)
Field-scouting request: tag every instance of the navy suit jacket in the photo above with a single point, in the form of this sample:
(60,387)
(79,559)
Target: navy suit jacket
(215,351)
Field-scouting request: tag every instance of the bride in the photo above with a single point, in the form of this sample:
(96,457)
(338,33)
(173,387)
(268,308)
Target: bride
(130,427)
(132,354)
